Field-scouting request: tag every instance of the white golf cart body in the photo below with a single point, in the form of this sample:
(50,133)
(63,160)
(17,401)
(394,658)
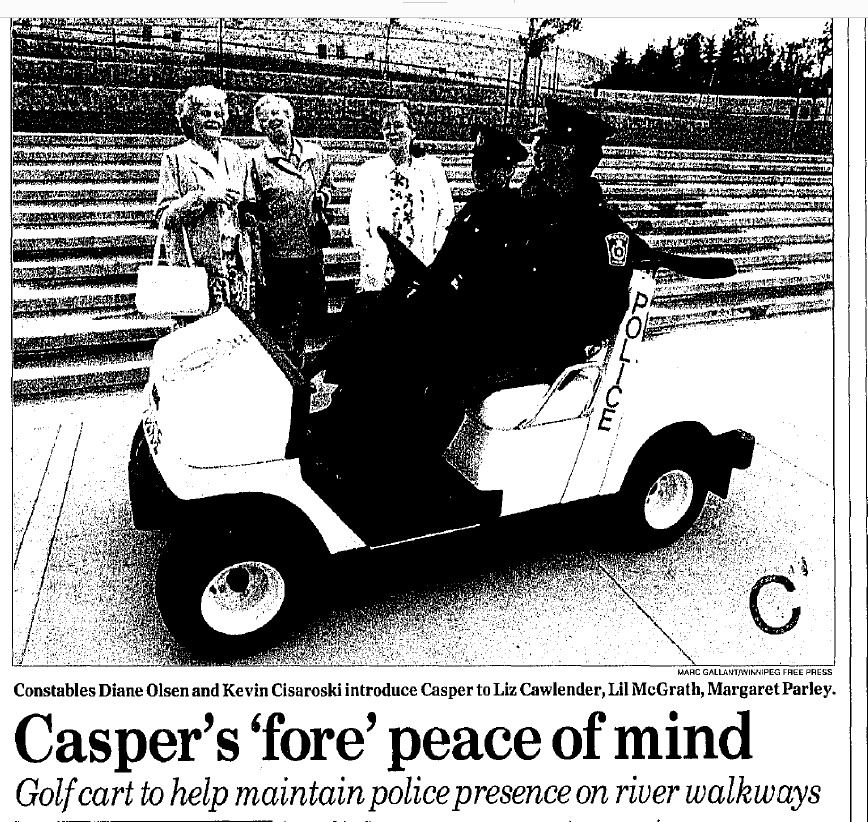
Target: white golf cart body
(218,423)
(221,462)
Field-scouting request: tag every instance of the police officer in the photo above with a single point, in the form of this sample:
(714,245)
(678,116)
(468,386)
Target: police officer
(579,254)
(481,236)
(474,280)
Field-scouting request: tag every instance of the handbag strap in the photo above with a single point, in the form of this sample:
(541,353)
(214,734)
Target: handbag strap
(161,238)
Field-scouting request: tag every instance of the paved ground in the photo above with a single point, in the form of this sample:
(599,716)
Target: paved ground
(83,577)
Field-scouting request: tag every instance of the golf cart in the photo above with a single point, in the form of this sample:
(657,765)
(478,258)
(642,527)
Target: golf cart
(220,463)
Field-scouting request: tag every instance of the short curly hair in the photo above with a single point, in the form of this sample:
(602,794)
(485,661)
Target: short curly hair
(267,99)
(195,97)
(394,107)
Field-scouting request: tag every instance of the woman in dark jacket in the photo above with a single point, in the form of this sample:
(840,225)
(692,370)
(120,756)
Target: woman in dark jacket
(292,182)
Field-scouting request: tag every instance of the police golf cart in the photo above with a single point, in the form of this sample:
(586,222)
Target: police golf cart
(219,463)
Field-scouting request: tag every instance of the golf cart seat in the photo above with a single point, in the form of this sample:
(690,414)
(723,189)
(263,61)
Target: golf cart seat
(513,427)
(525,440)
(521,407)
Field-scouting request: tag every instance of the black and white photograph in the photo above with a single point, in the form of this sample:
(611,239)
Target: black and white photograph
(422,341)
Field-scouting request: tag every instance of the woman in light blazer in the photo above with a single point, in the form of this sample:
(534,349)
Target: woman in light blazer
(202,181)
(406,192)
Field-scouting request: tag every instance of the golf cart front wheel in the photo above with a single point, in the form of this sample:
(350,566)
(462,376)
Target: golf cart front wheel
(243,598)
(229,593)
(662,498)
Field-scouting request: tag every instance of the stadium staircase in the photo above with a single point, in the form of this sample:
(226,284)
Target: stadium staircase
(82,223)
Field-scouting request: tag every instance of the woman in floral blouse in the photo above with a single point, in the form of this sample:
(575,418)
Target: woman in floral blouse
(406,192)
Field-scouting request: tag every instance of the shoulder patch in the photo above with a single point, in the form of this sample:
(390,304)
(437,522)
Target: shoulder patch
(617,245)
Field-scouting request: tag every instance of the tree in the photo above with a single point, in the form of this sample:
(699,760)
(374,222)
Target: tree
(541,33)
(691,68)
(622,72)
(824,52)
(824,45)
(709,57)
(666,65)
(646,69)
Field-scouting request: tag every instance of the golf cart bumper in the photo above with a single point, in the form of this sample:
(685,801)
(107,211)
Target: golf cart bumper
(732,449)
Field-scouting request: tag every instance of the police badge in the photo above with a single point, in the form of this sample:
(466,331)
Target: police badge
(617,244)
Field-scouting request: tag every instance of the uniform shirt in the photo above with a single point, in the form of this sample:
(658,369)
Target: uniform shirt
(288,186)
(578,264)
(412,200)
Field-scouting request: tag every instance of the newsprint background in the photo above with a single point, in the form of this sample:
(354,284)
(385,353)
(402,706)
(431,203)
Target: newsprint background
(532,687)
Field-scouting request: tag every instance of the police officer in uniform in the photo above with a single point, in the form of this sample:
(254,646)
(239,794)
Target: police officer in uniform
(477,264)
(579,255)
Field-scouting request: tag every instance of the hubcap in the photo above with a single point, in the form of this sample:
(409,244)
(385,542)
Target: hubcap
(668,500)
(243,598)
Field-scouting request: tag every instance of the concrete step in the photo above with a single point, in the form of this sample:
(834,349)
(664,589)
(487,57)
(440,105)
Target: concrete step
(81,215)
(114,268)
(33,336)
(115,212)
(665,318)
(122,269)
(42,243)
(637,177)
(81,377)
(34,204)
(684,224)
(679,217)
(95,300)
(346,160)
(57,240)
(375,146)
(63,194)
(748,286)
(106,302)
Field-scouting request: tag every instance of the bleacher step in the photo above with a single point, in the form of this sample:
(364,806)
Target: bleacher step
(80,378)
(41,335)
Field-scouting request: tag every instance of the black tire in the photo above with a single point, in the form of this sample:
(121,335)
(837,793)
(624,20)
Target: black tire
(663,494)
(227,591)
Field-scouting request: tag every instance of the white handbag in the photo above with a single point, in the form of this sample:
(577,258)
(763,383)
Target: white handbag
(172,290)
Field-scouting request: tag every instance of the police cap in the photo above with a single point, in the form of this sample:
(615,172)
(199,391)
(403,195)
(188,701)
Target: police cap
(570,126)
(496,149)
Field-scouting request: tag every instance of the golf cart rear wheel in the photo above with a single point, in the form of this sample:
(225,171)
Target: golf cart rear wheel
(662,497)
(230,593)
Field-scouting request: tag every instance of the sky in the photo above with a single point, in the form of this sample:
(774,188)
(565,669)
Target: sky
(602,37)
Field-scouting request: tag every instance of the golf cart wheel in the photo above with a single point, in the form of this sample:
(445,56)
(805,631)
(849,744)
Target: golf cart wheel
(229,592)
(663,496)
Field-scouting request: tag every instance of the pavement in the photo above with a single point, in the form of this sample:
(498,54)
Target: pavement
(83,576)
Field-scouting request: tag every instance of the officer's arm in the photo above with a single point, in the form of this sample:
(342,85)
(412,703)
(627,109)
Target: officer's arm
(703,268)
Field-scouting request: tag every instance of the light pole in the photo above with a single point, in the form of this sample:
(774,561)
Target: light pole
(392,21)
